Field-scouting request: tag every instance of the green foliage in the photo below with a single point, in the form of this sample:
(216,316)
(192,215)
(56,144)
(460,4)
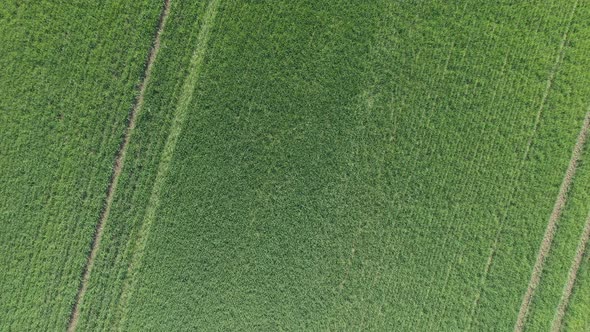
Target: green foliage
(338,166)
(558,263)
(577,318)
(69,72)
(347,166)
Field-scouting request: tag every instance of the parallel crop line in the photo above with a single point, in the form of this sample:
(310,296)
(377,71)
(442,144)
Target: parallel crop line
(478,155)
(549,84)
(571,280)
(552,224)
(185,99)
(117,168)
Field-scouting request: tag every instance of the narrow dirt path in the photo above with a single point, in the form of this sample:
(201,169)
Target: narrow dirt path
(545,96)
(552,224)
(117,168)
(182,109)
(571,279)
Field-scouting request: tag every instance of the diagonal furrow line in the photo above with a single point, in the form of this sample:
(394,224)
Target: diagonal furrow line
(117,168)
(552,224)
(548,86)
(181,112)
(571,279)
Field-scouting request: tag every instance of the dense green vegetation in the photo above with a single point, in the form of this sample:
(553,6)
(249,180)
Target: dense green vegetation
(69,72)
(349,166)
(562,253)
(527,220)
(577,318)
(102,307)
(297,165)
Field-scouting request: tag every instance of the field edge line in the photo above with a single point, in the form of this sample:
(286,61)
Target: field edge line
(117,169)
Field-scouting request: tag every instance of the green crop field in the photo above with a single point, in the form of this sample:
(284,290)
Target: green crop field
(68,81)
(236,165)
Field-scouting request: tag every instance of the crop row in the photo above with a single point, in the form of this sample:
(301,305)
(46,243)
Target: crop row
(347,166)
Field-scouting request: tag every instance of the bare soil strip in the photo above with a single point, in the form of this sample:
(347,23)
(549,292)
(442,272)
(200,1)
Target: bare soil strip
(182,109)
(571,279)
(548,86)
(117,168)
(552,224)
